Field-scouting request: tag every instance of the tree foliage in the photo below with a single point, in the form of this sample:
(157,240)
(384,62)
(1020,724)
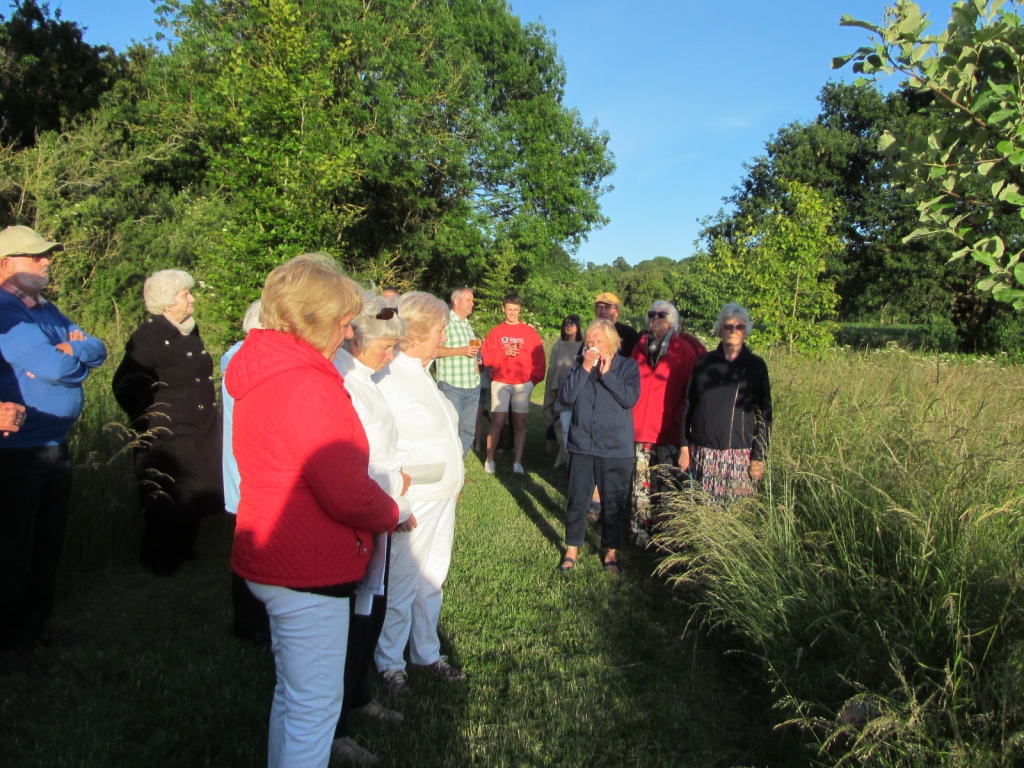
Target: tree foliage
(426,141)
(49,75)
(972,73)
(777,262)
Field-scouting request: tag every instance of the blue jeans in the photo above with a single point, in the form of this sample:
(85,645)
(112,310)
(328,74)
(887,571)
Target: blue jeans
(465,402)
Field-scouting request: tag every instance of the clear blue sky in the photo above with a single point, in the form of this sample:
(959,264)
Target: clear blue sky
(688,91)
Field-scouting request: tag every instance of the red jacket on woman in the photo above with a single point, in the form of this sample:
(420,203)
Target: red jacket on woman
(658,414)
(308,508)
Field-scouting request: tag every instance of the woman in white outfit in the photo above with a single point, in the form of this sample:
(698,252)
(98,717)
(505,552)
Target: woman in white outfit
(376,330)
(428,430)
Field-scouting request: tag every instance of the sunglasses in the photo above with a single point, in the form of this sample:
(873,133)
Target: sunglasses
(387,313)
(733,327)
(568,323)
(659,314)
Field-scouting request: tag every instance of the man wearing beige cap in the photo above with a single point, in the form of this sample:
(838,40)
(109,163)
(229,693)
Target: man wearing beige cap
(44,358)
(606,307)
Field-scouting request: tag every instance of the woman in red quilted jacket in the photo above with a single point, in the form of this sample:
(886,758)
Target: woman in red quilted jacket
(665,359)
(308,510)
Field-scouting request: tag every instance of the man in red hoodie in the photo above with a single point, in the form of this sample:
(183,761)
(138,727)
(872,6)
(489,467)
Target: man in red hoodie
(516,354)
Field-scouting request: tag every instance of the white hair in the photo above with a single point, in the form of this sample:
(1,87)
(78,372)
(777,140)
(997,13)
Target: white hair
(367,327)
(252,317)
(730,311)
(161,288)
(461,291)
(673,313)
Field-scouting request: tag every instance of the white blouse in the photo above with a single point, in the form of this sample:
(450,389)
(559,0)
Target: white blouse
(428,425)
(386,458)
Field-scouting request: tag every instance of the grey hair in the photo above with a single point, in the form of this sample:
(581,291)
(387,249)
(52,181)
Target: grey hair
(459,291)
(162,287)
(673,313)
(729,311)
(366,327)
(252,317)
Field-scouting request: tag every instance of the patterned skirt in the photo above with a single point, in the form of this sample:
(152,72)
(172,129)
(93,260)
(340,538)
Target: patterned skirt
(648,482)
(724,474)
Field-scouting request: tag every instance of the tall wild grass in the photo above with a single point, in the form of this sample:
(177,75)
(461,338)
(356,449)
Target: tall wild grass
(880,574)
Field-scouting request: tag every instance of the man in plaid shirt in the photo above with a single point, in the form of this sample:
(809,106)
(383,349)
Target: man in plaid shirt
(457,374)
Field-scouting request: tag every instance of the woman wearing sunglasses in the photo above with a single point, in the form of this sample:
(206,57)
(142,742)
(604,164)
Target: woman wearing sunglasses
(665,360)
(728,416)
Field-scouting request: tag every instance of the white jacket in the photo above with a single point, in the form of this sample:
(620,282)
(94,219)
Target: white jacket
(428,425)
(386,458)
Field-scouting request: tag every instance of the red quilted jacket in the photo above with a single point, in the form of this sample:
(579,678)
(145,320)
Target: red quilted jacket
(658,414)
(308,508)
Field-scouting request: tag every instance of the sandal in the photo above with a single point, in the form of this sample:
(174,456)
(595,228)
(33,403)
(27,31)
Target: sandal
(567,564)
(612,566)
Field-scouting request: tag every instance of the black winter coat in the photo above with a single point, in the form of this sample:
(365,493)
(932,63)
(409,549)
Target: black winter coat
(165,385)
(729,404)
(602,407)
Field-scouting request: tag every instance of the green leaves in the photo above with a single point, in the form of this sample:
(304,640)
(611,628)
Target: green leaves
(970,76)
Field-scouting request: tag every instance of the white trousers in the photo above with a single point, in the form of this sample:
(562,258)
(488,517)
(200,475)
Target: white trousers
(309,636)
(419,566)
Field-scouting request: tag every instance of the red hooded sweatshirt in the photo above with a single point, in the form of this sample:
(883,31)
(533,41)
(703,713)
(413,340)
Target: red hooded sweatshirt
(308,508)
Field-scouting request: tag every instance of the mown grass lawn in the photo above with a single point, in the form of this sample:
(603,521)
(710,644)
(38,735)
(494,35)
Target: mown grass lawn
(578,669)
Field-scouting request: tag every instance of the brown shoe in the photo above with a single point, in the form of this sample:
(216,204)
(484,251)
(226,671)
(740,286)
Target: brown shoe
(380,713)
(348,749)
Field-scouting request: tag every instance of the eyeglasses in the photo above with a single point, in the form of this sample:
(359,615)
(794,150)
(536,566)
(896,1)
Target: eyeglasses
(733,327)
(659,314)
(387,313)
(603,305)
(568,324)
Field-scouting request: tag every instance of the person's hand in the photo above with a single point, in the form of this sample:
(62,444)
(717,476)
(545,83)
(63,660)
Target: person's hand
(590,358)
(406,482)
(77,336)
(407,526)
(511,351)
(12,416)
(684,458)
(606,364)
(756,470)
(65,348)
(469,351)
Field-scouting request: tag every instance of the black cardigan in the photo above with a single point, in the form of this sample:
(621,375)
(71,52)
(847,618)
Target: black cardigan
(602,413)
(729,404)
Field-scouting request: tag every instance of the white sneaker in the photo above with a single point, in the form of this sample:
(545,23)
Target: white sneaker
(489,467)
(517,469)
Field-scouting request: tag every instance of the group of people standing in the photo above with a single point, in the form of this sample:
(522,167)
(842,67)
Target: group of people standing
(633,408)
(342,458)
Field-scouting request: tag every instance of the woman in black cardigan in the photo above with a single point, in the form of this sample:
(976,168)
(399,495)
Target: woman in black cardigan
(728,417)
(602,389)
(165,385)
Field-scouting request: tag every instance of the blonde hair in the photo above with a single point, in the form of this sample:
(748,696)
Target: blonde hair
(161,288)
(420,312)
(607,327)
(251,321)
(307,297)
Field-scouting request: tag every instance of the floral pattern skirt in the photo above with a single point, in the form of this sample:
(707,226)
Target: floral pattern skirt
(648,482)
(724,474)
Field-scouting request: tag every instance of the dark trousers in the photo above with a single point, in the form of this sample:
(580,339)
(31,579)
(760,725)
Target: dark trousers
(612,476)
(35,484)
(363,634)
(248,613)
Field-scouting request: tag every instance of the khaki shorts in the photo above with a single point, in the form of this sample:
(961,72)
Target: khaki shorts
(518,395)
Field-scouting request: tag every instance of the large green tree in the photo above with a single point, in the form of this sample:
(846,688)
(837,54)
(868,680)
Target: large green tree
(968,173)
(48,74)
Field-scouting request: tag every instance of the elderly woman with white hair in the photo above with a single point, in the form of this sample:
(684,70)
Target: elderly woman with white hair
(375,332)
(665,360)
(428,430)
(165,385)
(728,417)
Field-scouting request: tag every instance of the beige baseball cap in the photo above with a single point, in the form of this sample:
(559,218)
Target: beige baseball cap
(607,298)
(16,241)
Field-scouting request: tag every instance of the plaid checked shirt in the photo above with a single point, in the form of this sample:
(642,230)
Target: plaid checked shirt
(458,371)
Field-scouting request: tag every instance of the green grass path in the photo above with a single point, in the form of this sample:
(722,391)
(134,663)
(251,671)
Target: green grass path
(576,669)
